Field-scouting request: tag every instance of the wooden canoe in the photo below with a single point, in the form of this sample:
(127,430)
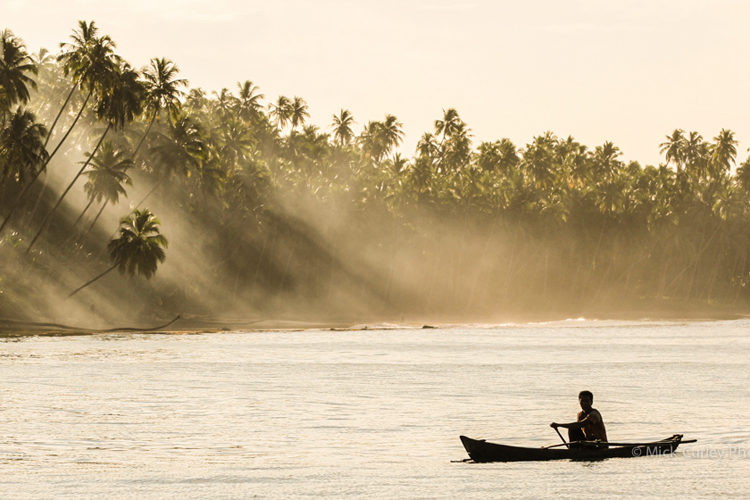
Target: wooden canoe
(482,451)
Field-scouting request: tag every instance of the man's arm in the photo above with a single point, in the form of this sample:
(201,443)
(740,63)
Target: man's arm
(571,425)
(591,417)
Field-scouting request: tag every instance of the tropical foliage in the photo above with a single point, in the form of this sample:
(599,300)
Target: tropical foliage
(255,189)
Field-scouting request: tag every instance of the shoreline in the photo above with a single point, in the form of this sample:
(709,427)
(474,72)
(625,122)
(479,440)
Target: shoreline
(190,326)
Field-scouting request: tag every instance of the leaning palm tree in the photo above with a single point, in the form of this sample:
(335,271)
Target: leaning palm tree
(162,92)
(90,60)
(72,58)
(342,127)
(15,66)
(119,104)
(138,249)
(21,148)
(281,111)
(299,112)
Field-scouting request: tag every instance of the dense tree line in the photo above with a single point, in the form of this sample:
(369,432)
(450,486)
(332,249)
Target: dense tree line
(561,219)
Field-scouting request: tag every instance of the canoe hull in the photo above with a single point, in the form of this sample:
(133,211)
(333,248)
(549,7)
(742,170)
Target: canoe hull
(482,451)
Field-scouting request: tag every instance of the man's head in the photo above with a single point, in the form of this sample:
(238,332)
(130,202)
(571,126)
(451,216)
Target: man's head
(586,399)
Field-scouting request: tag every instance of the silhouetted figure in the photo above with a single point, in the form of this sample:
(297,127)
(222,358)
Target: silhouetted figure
(589,426)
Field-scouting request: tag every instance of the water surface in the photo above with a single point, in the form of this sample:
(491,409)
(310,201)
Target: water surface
(372,413)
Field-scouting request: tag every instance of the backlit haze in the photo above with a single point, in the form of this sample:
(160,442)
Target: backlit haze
(629,72)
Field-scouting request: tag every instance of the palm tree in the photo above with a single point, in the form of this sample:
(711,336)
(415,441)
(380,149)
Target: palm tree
(427,146)
(225,102)
(22,154)
(235,142)
(723,153)
(342,127)
(674,148)
(449,124)
(21,148)
(120,102)
(392,131)
(398,164)
(15,64)
(500,156)
(379,138)
(139,248)
(456,148)
(90,60)
(42,58)
(179,149)
(452,128)
(106,178)
(539,159)
(249,100)
(371,142)
(606,164)
(695,153)
(196,99)
(743,175)
(162,92)
(281,111)
(72,59)
(299,112)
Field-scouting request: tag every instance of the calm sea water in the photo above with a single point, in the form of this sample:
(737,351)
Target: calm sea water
(371,413)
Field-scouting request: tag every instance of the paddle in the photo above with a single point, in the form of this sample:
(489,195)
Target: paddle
(563,439)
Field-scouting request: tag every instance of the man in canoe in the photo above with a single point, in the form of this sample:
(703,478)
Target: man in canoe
(589,426)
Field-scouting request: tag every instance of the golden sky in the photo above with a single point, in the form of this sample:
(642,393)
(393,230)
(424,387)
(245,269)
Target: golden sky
(629,71)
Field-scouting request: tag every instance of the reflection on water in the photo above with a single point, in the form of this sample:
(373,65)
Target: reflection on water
(371,413)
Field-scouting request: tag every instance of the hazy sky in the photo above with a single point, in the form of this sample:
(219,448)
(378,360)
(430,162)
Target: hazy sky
(626,71)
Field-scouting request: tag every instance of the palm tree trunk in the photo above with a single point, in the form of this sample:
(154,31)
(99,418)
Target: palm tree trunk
(156,185)
(82,214)
(93,223)
(81,233)
(39,197)
(17,201)
(143,138)
(80,112)
(25,189)
(67,189)
(91,281)
(59,113)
